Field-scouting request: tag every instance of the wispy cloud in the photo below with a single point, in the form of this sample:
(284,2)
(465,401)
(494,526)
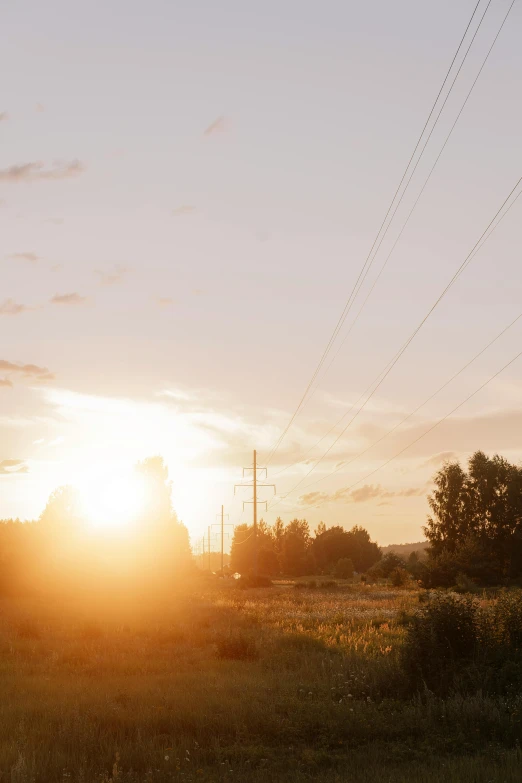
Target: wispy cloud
(39,107)
(4,116)
(36,171)
(6,383)
(28,370)
(361,495)
(114,277)
(68,299)
(10,466)
(164,301)
(438,459)
(185,209)
(10,307)
(218,126)
(31,257)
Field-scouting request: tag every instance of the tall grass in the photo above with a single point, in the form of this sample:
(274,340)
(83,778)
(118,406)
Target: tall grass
(221,683)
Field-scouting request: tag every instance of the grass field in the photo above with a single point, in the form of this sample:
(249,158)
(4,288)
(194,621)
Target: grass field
(223,684)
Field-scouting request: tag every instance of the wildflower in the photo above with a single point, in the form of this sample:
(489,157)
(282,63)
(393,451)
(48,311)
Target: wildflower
(167,758)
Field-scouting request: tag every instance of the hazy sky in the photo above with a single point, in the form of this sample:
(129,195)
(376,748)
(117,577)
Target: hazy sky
(187,194)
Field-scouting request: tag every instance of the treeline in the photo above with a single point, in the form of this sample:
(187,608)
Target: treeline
(60,551)
(294,551)
(474,536)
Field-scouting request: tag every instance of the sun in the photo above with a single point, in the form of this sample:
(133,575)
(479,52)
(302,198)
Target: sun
(112,504)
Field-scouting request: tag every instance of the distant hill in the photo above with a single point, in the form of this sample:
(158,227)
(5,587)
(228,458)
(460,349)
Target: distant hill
(406,549)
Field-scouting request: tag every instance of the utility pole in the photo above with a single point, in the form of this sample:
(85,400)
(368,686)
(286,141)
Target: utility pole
(209,566)
(222,524)
(256,542)
(255,500)
(222,530)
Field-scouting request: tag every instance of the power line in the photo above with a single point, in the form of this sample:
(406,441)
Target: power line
(426,432)
(486,58)
(367,261)
(425,402)
(492,225)
(403,227)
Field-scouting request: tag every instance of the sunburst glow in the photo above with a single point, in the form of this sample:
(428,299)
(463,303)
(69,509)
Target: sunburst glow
(112,504)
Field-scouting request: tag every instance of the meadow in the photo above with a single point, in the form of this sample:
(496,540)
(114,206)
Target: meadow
(218,683)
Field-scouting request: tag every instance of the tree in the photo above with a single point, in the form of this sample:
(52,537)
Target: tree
(63,512)
(331,545)
(243,550)
(365,552)
(296,557)
(278,532)
(163,537)
(450,521)
(335,542)
(476,522)
(344,568)
(389,563)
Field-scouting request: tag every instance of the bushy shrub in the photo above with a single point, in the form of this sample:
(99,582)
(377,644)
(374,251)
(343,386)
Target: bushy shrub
(455,643)
(506,620)
(344,568)
(399,577)
(251,580)
(329,584)
(464,584)
(384,567)
(442,637)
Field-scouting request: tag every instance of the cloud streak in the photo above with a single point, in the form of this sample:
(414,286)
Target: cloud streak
(27,370)
(361,495)
(37,172)
(68,299)
(32,257)
(8,467)
(10,307)
(4,116)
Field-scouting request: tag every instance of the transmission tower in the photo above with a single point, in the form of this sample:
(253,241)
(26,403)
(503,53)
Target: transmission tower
(255,484)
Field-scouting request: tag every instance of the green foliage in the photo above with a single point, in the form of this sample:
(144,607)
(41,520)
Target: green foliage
(387,564)
(292,551)
(506,621)
(399,577)
(276,685)
(335,543)
(249,580)
(344,568)
(454,642)
(443,635)
(476,524)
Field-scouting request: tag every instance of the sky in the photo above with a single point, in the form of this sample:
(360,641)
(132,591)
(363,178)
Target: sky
(188,192)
